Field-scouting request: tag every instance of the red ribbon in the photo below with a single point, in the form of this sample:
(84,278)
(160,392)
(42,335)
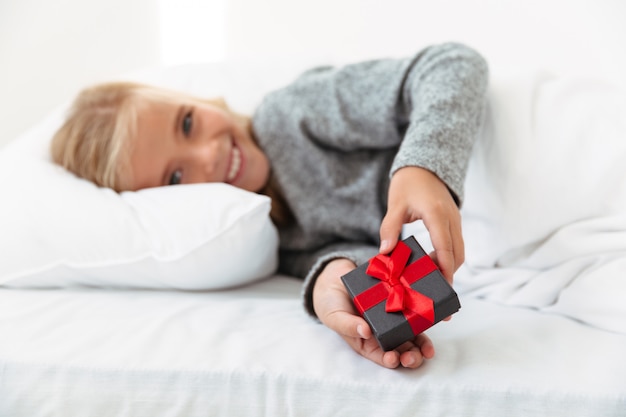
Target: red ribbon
(395,286)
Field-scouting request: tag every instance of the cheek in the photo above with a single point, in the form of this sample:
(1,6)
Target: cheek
(218,119)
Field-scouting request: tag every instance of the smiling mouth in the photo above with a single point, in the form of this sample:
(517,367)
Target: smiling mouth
(235,165)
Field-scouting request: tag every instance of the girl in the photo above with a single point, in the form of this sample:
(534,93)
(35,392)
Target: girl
(348,155)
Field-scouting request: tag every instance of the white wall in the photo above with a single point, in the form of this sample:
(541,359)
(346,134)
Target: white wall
(49,49)
(566,35)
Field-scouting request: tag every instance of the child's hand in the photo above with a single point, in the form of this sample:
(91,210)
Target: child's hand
(416,193)
(334,308)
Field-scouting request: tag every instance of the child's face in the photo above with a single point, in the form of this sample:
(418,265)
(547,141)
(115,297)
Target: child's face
(193,142)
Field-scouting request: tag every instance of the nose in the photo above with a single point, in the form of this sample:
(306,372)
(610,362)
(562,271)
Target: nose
(204,159)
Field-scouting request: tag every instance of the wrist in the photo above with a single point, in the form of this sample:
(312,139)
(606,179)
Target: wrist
(330,280)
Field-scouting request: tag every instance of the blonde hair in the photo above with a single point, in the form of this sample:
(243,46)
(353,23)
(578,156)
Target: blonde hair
(94,142)
(96,138)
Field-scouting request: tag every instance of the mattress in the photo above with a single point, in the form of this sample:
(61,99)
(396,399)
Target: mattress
(253,351)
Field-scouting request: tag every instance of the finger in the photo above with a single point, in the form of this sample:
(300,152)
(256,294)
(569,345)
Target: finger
(391,359)
(426,346)
(413,354)
(348,325)
(458,247)
(411,358)
(390,230)
(410,355)
(370,350)
(443,251)
(456,231)
(447,240)
(439,228)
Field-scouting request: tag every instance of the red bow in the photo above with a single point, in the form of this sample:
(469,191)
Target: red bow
(395,286)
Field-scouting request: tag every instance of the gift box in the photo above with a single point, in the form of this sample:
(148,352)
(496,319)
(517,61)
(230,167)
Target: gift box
(401,294)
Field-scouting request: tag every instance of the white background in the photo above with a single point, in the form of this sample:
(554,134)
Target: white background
(48,50)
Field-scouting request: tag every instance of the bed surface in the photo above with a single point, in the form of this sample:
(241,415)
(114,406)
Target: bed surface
(541,331)
(253,351)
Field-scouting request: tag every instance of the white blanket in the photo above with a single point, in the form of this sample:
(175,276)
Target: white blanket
(545,210)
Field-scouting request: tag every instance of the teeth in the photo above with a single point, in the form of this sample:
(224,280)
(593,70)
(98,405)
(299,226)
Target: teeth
(235,164)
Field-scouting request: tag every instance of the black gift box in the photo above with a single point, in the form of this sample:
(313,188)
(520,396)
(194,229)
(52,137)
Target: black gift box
(436,299)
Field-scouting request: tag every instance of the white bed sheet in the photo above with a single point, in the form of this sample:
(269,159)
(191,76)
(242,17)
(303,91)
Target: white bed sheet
(545,215)
(253,351)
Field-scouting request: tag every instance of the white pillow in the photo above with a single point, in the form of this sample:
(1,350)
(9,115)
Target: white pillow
(59,230)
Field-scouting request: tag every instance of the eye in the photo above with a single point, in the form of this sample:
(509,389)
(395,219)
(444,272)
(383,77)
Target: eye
(187,123)
(176,177)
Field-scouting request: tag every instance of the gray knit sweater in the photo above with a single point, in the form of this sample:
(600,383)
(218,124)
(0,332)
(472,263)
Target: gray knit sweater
(336,135)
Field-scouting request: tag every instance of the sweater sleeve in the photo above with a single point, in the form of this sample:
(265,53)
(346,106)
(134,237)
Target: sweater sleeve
(429,105)
(444,98)
(311,264)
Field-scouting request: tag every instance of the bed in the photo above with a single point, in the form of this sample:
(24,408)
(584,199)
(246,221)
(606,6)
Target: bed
(106,310)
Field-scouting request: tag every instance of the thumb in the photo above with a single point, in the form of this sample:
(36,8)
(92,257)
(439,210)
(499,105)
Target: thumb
(390,230)
(349,325)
